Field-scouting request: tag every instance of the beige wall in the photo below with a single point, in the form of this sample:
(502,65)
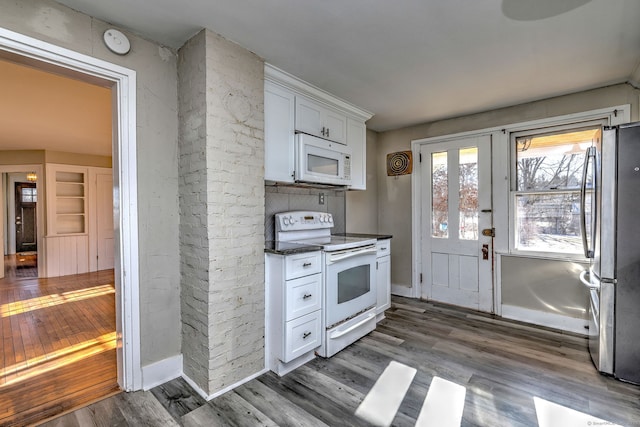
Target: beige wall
(394,194)
(157,128)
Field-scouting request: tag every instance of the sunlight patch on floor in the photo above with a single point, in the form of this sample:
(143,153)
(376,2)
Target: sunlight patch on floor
(45,301)
(50,361)
(443,405)
(380,405)
(552,415)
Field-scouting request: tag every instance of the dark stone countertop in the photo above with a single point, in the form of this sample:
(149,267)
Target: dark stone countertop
(288,248)
(366,236)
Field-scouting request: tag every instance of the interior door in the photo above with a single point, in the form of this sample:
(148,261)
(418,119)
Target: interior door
(104,212)
(25,218)
(456,193)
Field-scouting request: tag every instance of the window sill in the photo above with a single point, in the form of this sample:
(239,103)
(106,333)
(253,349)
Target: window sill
(552,256)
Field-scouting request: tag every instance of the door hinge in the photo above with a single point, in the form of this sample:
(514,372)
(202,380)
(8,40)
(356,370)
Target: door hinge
(489,232)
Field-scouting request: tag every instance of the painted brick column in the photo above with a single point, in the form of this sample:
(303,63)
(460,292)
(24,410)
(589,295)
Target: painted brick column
(221,112)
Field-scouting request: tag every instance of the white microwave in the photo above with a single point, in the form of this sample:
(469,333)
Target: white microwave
(321,161)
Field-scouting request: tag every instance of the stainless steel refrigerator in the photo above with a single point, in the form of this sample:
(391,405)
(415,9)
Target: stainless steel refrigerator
(611,236)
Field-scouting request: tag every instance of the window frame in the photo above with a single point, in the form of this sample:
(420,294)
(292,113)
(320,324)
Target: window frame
(513,185)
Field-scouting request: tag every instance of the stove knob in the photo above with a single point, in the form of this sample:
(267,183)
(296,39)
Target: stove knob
(285,220)
(322,218)
(291,220)
(330,219)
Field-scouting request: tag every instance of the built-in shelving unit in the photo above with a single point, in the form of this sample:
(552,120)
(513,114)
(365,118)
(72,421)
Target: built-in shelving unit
(70,203)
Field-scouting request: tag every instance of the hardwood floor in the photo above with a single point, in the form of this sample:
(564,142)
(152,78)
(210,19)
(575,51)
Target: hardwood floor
(58,344)
(21,265)
(498,372)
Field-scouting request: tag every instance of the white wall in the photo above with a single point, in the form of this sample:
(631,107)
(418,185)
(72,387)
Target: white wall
(157,129)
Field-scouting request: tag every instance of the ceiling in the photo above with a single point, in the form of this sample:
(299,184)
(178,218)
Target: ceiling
(412,61)
(44,111)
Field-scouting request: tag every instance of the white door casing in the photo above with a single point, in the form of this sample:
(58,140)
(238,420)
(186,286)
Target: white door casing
(20,48)
(456,206)
(104,221)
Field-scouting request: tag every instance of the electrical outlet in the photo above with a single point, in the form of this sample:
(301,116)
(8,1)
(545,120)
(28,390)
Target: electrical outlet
(321,198)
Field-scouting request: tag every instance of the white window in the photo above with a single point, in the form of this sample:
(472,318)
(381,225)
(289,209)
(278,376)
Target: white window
(547,173)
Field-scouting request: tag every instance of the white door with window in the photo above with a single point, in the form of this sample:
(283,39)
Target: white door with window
(456,207)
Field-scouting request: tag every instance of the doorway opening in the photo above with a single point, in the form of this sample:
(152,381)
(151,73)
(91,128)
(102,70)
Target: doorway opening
(21,259)
(67,222)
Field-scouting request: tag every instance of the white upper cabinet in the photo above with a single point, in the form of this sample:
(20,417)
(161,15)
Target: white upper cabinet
(279,113)
(292,105)
(315,119)
(357,140)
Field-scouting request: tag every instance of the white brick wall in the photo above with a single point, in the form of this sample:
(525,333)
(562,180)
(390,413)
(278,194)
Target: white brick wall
(222,211)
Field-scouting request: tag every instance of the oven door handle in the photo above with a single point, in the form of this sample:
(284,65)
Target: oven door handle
(338,334)
(333,258)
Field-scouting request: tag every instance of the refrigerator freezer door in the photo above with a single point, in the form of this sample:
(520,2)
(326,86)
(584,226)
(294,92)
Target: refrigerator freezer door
(601,307)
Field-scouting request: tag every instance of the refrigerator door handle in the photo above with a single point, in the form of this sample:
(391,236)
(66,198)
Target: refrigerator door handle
(588,253)
(587,283)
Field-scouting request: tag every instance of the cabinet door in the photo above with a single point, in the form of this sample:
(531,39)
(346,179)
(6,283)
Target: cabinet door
(309,117)
(357,141)
(302,335)
(383,283)
(335,124)
(279,116)
(303,296)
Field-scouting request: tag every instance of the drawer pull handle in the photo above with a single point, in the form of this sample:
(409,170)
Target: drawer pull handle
(306,264)
(383,249)
(306,335)
(306,296)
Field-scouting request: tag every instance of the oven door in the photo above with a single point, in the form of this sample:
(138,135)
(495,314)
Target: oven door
(350,283)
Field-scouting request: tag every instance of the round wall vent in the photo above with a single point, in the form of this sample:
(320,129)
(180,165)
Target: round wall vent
(399,163)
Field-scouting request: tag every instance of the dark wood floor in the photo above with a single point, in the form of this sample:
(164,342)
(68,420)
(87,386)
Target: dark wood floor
(21,265)
(58,344)
(502,366)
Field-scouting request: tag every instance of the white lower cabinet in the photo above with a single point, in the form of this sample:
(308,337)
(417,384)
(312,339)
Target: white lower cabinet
(383,277)
(302,335)
(294,309)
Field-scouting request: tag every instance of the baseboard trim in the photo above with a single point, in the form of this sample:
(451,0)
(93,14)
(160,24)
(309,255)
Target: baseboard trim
(160,372)
(402,291)
(209,397)
(549,320)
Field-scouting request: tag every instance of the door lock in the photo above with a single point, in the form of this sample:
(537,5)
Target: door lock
(485,251)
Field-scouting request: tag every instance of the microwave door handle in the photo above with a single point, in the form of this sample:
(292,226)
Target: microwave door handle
(351,254)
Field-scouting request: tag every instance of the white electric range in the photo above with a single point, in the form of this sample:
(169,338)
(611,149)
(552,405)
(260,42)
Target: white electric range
(349,295)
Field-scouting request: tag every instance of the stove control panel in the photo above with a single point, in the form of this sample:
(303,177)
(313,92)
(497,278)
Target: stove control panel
(303,220)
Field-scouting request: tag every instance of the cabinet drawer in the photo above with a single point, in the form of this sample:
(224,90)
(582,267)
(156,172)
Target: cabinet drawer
(383,248)
(302,265)
(302,335)
(303,296)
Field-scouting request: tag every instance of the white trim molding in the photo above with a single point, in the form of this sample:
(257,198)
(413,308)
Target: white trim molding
(161,372)
(47,56)
(209,397)
(549,320)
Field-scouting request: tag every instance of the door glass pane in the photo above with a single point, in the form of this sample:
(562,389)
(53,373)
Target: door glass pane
(468,204)
(322,165)
(439,195)
(353,283)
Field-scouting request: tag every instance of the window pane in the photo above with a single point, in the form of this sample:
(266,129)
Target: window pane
(548,222)
(439,195)
(468,203)
(552,161)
